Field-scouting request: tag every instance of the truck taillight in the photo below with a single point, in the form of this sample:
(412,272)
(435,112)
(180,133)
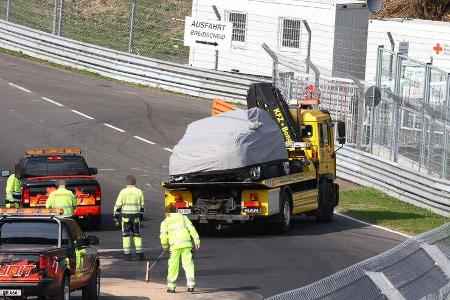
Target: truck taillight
(98,193)
(252,204)
(42,262)
(26,195)
(178,197)
(179,204)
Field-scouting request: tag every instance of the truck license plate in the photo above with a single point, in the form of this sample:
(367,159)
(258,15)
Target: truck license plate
(252,210)
(11,293)
(184,211)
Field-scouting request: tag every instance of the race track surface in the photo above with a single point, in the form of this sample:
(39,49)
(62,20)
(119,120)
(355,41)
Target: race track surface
(42,107)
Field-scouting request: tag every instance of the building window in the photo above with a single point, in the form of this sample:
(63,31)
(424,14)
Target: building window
(239,21)
(291,33)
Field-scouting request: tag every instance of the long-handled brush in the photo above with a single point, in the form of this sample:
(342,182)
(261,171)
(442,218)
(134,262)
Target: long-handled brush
(150,267)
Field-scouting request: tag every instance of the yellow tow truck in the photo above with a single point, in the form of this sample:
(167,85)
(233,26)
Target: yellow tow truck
(308,187)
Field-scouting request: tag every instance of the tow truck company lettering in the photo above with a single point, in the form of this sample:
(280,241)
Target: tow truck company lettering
(16,270)
(277,112)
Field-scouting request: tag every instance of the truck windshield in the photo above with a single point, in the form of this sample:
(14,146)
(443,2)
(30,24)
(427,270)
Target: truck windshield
(29,233)
(55,166)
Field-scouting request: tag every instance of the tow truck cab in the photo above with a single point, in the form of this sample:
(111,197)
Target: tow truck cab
(42,168)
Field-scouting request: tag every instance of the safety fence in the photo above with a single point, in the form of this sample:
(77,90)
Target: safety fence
(124,66)
(418,268)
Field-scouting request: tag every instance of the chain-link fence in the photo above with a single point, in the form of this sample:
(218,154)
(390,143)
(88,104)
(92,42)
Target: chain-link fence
(152,28)
(419,268)
(408,121)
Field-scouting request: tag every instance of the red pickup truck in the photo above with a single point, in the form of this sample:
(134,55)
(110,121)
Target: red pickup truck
(46,256)
(41,169)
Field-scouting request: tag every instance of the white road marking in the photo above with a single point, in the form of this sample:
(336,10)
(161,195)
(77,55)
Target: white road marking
(372,225)
(114,127)
(130,93)
(168,149)
(144,140)
(81,114)
(19,87)
(52,101)
(106,169)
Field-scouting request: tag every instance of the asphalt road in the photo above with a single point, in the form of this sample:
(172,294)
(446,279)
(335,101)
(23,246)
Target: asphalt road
(240,260)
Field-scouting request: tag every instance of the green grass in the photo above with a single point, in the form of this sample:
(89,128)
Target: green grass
(158,29)
(378,208)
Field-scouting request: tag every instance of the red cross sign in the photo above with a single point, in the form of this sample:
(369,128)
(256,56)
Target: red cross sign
(438,48)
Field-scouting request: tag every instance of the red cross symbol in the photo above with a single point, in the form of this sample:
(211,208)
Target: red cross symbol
(438,48)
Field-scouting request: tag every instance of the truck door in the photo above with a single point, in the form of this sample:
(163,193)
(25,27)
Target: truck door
(326,149)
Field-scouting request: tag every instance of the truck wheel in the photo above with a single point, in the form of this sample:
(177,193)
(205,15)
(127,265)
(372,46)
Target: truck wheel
(64,291)
(284,219)
(92,290)
(326,201)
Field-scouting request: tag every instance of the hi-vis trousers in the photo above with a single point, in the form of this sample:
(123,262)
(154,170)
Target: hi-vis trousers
(131,234)
(185,255)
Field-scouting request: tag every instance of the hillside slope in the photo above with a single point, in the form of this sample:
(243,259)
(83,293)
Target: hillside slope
(438,10)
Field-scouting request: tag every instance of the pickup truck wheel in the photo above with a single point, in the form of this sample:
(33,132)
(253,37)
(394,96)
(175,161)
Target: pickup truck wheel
(92,290)
(64,291)
(326,201)
(284,219)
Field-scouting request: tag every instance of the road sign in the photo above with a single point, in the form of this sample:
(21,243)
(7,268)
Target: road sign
(441,49)
(403,48)
(203,33)
(373,96)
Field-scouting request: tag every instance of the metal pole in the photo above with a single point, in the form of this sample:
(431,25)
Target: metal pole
(308,54)
(8,10)
(219,18)
(379,71)
(391,40)
(446,124)
(55,17)
(275,61)
(393,155)
(423,136)
(132,25)
(61,17)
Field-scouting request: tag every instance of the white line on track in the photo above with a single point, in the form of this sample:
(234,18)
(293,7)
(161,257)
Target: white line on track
(144,140)
(372,225)
(52,101)
(19,87)
(168,149)
(81,114)
(106,169)
(114,127)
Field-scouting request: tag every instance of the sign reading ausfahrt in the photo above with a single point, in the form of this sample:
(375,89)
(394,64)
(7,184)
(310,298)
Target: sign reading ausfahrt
(214,35)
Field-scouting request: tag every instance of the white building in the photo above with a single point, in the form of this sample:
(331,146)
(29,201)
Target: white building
(338,41)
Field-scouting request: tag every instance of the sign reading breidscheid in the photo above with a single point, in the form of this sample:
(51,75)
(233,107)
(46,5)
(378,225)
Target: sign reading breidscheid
(210,34)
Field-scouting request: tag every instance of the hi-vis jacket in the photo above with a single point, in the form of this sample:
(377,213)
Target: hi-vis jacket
(177,232)
(13,189)
(130,202)
(62,198)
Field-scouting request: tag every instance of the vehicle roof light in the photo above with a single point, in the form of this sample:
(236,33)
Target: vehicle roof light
(41,212)
(307,102)
(52,151)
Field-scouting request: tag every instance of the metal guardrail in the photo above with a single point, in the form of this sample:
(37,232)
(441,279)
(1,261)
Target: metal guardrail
(124,66)
(418,268)
(353,165)
(403,183)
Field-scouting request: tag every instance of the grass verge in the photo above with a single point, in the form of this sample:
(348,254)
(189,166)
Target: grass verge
(377,208)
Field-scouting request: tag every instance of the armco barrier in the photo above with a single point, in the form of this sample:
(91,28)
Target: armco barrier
(124,66)
(405,184)
(353,165)
(418,268)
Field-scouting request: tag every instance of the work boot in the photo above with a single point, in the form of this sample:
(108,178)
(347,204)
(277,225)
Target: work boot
(141,256)
(190,290)
(128,256)
(171,290)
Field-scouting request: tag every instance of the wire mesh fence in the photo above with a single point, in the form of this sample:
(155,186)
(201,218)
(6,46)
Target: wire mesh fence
(416,269)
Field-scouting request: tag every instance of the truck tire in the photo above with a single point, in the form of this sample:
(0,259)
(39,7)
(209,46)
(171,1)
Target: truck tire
(64,291)
(92,290)
(326,201)
(284,219)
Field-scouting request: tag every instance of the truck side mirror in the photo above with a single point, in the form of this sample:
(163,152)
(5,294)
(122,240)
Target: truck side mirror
(5,173)
(341,132)
(93,171)
(92,240)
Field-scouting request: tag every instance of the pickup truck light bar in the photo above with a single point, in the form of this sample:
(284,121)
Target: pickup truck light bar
(30,212)
(52,151)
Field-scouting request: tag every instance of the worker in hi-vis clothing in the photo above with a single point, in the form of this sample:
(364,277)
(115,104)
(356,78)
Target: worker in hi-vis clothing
(130,204)
(14,189)
(177,234)
(62,198)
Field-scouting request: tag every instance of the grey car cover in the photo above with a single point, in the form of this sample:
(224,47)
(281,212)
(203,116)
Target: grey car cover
(228,141)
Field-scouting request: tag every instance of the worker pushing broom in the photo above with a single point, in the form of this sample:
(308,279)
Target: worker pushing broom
(178,236)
